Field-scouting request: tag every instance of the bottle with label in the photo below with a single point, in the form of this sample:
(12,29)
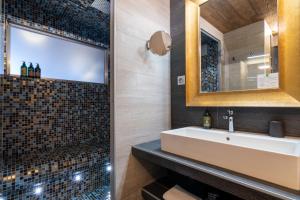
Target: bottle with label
(37,71)
(31,71)
(207,120)
(24,70)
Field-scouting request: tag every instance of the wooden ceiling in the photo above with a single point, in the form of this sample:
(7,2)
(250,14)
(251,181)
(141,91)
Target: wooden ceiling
(228,15)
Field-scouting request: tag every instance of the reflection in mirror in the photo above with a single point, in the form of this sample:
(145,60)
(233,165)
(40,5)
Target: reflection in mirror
(239,45)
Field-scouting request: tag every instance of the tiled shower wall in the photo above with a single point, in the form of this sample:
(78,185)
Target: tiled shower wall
(45,114)
(246,119)
(70,18)
(76,20)
(209,63)
(1,120)
(53,129)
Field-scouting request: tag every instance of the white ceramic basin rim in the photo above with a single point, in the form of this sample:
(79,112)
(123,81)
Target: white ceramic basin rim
(285,146)
(275,160)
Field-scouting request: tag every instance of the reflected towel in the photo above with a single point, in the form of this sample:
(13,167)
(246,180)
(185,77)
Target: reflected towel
(178,193)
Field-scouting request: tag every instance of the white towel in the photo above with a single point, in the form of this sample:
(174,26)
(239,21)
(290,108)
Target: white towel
(178,193)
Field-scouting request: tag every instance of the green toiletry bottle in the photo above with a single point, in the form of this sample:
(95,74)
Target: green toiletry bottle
(37,71)
(31,71)
(24,70)
(207,120)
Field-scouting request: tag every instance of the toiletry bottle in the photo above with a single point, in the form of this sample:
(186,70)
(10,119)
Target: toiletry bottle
(37,71)
(207,121)
(31,71)
(24,70)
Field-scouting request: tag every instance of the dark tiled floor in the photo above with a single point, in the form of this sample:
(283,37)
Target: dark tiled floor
(99,194)
(54,172)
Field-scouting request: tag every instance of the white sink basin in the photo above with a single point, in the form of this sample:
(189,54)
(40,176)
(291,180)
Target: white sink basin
(275,160)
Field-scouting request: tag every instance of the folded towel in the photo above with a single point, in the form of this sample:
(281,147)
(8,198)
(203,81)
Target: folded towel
(178,193)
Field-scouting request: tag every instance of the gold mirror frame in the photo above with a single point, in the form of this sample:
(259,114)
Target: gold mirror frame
(288,95)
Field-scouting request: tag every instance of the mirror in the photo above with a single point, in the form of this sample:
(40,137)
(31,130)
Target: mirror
(238,43)
(286,95)
(160,43)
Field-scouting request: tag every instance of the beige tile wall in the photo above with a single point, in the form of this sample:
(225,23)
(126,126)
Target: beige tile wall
(241,43)
(142,90)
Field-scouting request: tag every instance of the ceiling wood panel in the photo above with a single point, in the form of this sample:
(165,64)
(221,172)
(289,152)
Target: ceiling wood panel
(228,15)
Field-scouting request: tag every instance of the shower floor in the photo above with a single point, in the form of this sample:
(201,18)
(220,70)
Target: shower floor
(53,172)
(99,194)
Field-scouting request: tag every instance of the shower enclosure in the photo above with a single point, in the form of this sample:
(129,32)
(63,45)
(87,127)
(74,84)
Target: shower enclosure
(210,63)
(54,130)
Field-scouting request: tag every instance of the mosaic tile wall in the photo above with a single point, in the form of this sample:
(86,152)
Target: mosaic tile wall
(54,134)
(53,130)
(78,19)
(209,65)
(45,114)
(1,120)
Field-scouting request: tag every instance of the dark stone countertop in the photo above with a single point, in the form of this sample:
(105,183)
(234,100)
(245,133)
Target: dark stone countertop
(236,184)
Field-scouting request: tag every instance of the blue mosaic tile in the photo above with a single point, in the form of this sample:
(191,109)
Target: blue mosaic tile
(76,19)
(210,80)
(54,134)
(53,130)
(98,194)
